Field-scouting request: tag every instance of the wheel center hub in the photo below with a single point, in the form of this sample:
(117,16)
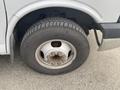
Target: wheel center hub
(56,58)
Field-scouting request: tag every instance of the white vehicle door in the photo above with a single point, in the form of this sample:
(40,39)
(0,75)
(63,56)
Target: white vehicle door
(2,27)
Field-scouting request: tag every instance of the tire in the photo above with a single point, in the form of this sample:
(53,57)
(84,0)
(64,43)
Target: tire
(53,29)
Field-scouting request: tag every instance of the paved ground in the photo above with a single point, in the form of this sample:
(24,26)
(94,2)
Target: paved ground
(100,72)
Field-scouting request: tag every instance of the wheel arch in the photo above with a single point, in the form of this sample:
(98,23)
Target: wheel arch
(76,5)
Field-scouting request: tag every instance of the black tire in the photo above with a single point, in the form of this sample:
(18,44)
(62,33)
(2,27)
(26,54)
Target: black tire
(54,28)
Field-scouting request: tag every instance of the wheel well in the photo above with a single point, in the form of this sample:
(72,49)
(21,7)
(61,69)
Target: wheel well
(81,18)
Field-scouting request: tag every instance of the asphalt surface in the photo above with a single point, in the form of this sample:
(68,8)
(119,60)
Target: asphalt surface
(101,71)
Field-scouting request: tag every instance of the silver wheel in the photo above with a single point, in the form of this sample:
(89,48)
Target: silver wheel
(55,54)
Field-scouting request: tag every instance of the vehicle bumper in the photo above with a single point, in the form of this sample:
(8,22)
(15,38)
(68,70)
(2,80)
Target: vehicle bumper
(111,36)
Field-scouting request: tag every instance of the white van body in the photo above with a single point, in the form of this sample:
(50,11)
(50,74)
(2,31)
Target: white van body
(103,11)
(103,15)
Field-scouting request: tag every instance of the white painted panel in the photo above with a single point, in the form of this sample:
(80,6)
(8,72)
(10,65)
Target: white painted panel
(13,6)
(108,9)
(2,27)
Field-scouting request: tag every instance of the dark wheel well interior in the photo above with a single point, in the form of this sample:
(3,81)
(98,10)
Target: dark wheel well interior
(81,18)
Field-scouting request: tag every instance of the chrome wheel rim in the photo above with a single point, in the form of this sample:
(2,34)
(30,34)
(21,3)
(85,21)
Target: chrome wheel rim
(55,54)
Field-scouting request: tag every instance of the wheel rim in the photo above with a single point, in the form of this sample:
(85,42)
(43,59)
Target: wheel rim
(55,54)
